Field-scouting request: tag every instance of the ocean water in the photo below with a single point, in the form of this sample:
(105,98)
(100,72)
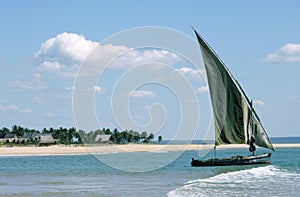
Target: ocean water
(85,175)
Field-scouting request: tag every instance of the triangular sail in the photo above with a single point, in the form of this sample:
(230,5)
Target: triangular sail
(232,108)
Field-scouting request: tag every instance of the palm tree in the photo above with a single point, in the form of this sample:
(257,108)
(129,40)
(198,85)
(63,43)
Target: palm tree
(81,136)
(19,131)
(151,136)
(144,135)
(4,131)
(71,134)
(136,136)
(107,132)
(45,130)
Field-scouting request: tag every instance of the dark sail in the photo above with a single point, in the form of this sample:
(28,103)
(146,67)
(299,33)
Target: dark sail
(231,107)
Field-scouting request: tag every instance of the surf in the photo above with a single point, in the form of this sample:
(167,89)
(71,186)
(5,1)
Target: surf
(253,182)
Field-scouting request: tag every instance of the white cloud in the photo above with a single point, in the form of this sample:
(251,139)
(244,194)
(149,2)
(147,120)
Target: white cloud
(66,46)
(259,103)
(12,107)
(98,89)
(38,99)
(48,114)
(194,73)
(20,85)
(138,117)
(64,53)
(161,56)
(34,83)
(202,89)
(8,107)
(37,76)
(70,88)
(52,98)
(51,66)
(288,53)
(28,110)
(141,93)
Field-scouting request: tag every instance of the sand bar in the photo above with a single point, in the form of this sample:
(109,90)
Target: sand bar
(102,149)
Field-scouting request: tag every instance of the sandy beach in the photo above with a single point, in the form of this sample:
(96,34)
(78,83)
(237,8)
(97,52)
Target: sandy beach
(102,149)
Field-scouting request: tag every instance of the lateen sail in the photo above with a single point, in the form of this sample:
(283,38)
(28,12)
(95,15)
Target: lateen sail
(235,119)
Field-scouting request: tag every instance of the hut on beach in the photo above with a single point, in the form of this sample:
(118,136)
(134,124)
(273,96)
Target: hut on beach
(9,138)
(45,139)
(102,138)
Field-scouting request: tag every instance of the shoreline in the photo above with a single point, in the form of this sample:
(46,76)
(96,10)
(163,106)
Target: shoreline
(109,149)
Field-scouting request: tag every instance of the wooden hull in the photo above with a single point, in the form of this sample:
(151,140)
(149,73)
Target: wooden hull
(264,158)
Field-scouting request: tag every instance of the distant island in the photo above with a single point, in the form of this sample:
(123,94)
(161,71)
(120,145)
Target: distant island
(18,135)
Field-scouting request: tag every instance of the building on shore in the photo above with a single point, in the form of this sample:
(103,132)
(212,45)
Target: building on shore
(40,139)
(102,138)
(45,139)
(9,138)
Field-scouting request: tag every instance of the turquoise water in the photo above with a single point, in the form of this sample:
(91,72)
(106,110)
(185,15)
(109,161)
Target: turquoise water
(84,175)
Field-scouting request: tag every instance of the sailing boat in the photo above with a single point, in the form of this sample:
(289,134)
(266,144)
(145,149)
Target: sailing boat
(235,120)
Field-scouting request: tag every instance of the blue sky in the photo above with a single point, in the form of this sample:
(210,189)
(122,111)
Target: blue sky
(259,41)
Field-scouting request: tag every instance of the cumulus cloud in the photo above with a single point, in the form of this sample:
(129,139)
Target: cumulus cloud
(141,94)
(8,107)
(38,99)
(51,66)
(202,89)
(138,117)
(98,89)
(12,107)
(259,103)
(135,57)
(66,47)
(28,110)
(48,114)
(20,85)
(64,53)
(34,83)
(288,53)
(194,73)
(70,88)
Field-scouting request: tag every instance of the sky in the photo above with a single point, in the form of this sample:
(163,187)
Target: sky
(44,45)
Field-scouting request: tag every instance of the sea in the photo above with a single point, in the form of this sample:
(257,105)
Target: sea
(160,173)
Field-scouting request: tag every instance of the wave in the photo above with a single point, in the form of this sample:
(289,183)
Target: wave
(267,180)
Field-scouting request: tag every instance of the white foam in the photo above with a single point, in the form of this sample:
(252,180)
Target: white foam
(240,176)
(160,151)
(255,180)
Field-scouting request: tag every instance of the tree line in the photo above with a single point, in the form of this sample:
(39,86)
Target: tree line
(72,135)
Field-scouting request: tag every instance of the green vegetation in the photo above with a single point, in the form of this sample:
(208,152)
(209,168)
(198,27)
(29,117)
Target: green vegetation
(74,136)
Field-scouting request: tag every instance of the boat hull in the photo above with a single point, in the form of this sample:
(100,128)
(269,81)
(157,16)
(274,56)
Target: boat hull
(264,158)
